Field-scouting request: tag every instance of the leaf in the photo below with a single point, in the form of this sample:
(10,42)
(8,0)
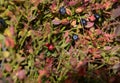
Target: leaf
(68,11)
(107,5)
(65,21)
(117,30)
(56,21)
(10,32)
(73,62)
(92,18)
(42,72)
(116,67)
(2,37)
(21,74)
(8,67)
(89,24)
(9,42)
(79,9)
(114,50)
(53,7)
(72,3)
(115,13)
(107,47)
(29,33)
(73,23)
(6,54)
(35,2)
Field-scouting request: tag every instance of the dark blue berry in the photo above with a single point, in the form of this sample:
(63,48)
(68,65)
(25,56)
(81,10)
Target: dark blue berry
(62,10)
(2,22)
(75,37)
(97,16)
(83,22)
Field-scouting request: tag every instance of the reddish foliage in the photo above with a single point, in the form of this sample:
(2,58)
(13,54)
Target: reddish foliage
(72,3)
(21,74)
(53,7)
(41,74)
(9,42)
(8,67)
(92,18)
(49,63)
(68,11)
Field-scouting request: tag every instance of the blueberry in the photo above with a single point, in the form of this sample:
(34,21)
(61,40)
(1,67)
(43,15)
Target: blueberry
(62,10)
(83,22)
(2,23)
(97,16)
(75,37)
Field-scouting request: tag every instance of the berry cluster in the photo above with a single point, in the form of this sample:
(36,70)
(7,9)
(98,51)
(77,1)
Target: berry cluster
(49,46)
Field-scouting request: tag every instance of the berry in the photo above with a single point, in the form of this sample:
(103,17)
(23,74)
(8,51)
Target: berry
(83,22)
(2,22)
(97,16)
(51,47)
(62,10)
(75,37)
(47,44)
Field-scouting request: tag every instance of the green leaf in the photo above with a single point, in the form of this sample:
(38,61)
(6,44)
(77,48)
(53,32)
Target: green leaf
(2,37)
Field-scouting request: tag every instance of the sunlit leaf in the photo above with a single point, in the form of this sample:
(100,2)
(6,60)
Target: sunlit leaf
(89,24)
(68,11)
(56,21)
(79,9)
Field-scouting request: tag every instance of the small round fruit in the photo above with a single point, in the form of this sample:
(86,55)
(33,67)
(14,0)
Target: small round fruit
(62,10)
(47,44)
(51,47)
(83,22)
(97,16)
(75,37)
(2,23)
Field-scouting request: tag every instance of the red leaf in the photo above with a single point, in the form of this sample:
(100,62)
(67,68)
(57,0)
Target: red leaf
(68,11)
(53,7)
(89,24)
(72,3)
(56,21)
(98,31)
(9,42)
(12,30)
(79,9)
(67,40)
(73,62)
(8,67)
(21,74)
(107,47)
(42,72)
(107,5)
(85,1)
(65,21)
(92,18)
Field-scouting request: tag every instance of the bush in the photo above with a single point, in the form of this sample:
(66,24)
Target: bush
(55,41)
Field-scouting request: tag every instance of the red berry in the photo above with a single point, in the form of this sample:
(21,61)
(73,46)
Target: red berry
(47,44)
(51,47)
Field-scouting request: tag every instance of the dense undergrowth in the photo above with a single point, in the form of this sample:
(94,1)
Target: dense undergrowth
(59,41)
